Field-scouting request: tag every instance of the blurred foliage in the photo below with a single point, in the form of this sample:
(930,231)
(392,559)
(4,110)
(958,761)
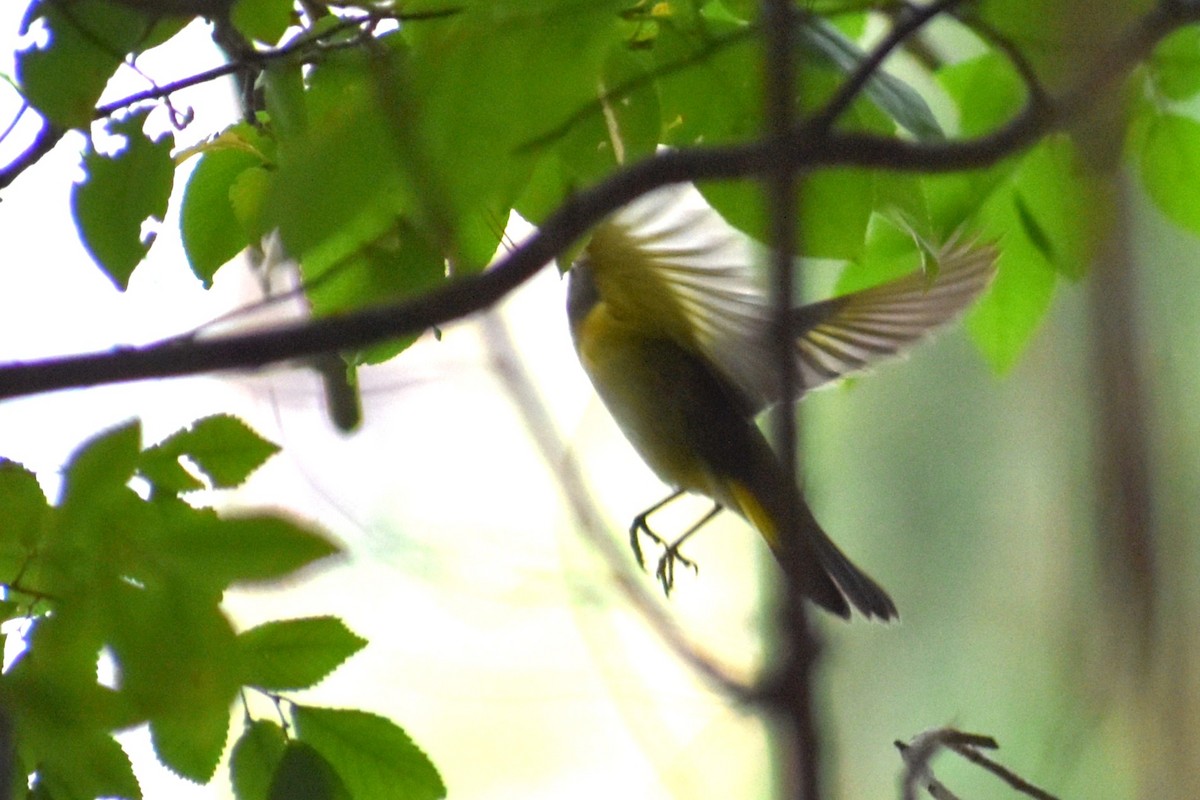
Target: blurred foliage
(387,144)
(121,574)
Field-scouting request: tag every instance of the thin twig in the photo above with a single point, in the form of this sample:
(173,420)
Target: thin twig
(311,47)
(1000,771)
(906,25)
(919,753)
(43,143)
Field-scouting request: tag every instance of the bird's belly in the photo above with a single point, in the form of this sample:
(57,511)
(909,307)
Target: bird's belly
(636,378)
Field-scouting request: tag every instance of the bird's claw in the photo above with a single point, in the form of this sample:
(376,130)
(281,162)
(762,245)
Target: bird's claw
(637,529)
(665,571)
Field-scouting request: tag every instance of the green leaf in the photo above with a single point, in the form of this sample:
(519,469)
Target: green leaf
(988,94)
(890,252)
(61,715)
(1170,166)
(835,206)
(1049,35)
(26,514)
(177,657)
(296,653)
(283,92)
(1063,206)
(211,228)
(248,197)
(255,758)
(262,20)
(1033,229)
(711,93)
(223,447)
(166,473)
(325,205)
(1175,64)
(549,184)
(88,764)
(55,681)
(119,194)
(620,127)
(709,83)
(987,91)
(398,263)
(87,41)
(303,774)
(102,465)
(1005,319)
(11,609)
(374,758)
(491,148)
(219,552)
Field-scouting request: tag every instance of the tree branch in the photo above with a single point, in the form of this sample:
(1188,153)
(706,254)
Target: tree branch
(790,694)
(42,144)
(462,297)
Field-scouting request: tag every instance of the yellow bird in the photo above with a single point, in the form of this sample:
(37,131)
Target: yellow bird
(672,329)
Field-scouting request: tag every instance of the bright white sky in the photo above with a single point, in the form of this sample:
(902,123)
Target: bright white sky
(497,639)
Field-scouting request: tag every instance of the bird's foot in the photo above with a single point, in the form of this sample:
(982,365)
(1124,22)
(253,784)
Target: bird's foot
(665,571)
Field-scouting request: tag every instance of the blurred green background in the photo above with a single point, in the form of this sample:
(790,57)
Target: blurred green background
(979,502)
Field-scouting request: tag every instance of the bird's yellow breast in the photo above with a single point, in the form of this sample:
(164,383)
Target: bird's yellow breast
(636,376)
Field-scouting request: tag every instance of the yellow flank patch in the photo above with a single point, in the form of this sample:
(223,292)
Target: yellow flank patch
(753,510)
(626,367)
(598,333)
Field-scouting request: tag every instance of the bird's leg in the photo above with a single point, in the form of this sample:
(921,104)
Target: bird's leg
(640,526)
(665,572)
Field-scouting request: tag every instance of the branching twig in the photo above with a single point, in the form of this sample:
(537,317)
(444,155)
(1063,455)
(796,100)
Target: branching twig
(309,48)
(919,753)
(906,25)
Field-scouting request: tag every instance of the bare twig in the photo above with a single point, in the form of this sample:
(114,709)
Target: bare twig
(919,753)
(43,143)
(790,692)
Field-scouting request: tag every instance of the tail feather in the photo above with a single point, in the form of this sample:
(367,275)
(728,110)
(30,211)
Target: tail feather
(871,600)
(838,584)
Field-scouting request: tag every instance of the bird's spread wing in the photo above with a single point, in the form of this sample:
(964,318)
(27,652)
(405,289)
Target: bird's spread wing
(845,334)
(670,260)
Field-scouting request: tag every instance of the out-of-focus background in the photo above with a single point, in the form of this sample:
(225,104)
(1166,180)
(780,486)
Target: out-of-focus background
(500,639)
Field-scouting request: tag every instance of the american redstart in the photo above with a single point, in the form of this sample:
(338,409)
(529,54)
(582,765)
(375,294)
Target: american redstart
(673,329)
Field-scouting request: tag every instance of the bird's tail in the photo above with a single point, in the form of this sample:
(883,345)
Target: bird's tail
(836,583)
